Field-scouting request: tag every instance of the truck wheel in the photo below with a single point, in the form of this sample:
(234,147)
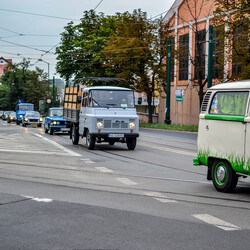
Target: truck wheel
(75,135)
(224,177)
(45,130)
(90,140)
(50,131)
(111,143)
(17,122)
(131,143)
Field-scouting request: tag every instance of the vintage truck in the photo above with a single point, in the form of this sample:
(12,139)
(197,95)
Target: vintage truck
(101,114)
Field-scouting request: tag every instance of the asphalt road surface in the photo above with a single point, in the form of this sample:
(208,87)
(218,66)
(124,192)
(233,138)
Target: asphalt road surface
(54,195)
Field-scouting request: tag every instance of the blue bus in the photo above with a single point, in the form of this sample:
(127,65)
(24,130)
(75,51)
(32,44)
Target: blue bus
(21,108)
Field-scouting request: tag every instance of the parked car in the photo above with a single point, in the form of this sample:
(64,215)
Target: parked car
(32,118)
(55,122)
(11,117)
(6,114)
(1,113)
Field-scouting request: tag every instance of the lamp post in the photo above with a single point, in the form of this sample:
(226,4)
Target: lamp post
(41,60)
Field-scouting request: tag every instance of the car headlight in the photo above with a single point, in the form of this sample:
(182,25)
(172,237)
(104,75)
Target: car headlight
(99,124)
(131,125)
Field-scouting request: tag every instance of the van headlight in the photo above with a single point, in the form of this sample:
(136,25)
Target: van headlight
(99,124)
(131,125)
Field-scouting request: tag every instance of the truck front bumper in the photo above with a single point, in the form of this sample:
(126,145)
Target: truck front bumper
(115,135)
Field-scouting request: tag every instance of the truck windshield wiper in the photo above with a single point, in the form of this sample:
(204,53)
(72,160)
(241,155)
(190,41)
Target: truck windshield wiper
(111,104)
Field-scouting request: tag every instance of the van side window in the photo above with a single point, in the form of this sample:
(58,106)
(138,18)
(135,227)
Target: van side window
(229,103)
(85,99)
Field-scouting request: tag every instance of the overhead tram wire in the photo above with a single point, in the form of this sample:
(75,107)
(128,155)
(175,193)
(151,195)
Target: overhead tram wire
(98,5)
(35,14)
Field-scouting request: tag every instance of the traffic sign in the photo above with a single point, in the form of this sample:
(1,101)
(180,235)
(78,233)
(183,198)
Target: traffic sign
(179,92)
(48,100)
(179,98)
(20,101)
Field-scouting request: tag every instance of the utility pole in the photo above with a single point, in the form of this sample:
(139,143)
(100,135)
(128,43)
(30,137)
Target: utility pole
(210,57)
(167,117)
(53,104)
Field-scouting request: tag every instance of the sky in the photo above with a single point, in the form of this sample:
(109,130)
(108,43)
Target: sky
(29,28)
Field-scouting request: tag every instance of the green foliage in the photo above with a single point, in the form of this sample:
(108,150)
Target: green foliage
(191,128)
(233,14)
(22,83)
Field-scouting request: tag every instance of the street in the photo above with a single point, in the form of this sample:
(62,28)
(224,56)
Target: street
(55,195)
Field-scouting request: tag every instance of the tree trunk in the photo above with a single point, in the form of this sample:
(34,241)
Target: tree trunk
(150,108)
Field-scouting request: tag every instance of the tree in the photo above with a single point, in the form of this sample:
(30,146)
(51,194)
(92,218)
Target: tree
(79,53)
(232,18)
(134,52)
(22,83)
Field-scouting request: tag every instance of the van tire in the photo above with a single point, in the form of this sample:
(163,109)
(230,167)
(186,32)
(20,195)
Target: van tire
(90,141)
(224,177)
(75,134)
(131,143)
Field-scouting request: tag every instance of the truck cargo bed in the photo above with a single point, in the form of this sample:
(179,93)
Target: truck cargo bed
(71,114)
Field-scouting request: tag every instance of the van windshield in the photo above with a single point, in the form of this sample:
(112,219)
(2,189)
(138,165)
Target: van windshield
(111,98)
(229,103)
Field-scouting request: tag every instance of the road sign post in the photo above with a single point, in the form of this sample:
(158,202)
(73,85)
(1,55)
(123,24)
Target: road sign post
(179,94)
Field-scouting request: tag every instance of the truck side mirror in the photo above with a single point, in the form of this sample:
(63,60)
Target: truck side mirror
(79,99)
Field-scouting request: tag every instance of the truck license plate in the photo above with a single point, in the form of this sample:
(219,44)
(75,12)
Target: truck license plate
(33,123)
(116,135)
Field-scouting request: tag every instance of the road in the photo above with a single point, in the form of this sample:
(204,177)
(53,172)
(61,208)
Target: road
(54,195)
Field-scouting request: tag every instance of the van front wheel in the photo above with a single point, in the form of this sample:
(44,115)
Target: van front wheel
(224,177)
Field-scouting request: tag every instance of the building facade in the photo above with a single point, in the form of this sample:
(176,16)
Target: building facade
(188,24)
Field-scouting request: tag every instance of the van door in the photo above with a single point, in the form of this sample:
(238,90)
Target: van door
(83,112)
(247,149)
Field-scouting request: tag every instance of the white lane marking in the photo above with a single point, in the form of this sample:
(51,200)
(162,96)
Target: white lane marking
(216,222)
(32,151)
(159,197)
(104,170)
(126,181)
(164,200)
(87,161)
(70,152)
(38,199)
(172,150)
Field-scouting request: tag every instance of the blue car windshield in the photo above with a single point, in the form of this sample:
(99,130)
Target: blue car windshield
(56,112)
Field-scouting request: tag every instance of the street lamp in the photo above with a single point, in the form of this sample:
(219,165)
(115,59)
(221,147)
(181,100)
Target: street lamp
(41,60)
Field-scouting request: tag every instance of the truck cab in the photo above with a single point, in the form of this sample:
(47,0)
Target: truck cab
(105,114)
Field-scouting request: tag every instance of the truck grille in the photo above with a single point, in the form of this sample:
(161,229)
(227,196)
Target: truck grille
(115,124)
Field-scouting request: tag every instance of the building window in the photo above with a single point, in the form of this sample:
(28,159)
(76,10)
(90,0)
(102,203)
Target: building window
(240,43)
(218,53)
(172,58)
(183,58)
(200,54)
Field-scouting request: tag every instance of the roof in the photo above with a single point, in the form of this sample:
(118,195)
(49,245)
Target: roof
(106,88)
(172,11)
(245,84)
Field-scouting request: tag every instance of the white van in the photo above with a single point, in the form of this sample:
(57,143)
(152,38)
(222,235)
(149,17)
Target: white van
(224,134)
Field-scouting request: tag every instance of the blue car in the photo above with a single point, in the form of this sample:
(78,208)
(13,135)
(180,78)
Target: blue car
(54,122)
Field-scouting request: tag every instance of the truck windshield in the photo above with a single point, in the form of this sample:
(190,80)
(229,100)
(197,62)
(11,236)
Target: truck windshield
(26,107)
(111,98)
(56,112)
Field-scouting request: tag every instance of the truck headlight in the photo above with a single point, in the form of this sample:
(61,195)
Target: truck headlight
(54,122)
(99,124)
(131,125)
(21,116)
(26,119)
(41,119)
